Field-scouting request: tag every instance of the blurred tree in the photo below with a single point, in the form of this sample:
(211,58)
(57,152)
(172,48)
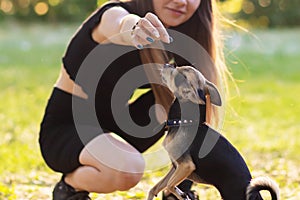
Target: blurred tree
(71,10)
(48,10)
(263,13)
(270,13)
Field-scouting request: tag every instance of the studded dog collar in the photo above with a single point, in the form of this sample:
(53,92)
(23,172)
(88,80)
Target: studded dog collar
(181,122)
(192,122)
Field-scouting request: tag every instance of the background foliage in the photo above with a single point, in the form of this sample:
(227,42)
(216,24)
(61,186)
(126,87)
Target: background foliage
(47,10)
(261,13)
(262,121)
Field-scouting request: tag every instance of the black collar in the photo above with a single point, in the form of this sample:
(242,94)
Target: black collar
(177,123)
(181,122)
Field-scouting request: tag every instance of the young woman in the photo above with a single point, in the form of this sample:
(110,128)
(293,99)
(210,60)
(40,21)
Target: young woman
(100,162)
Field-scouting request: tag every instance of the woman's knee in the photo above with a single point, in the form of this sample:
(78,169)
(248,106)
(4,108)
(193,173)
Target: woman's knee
(124,181)
(131,174)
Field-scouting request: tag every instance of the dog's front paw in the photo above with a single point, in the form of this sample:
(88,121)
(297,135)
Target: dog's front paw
(151,195)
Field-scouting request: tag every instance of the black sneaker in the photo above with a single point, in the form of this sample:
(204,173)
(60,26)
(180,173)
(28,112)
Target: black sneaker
(80,196)
(63,191)
(191,194)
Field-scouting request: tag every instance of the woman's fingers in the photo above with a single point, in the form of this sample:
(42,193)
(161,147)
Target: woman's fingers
(140,38)
(149,29)
(157,25)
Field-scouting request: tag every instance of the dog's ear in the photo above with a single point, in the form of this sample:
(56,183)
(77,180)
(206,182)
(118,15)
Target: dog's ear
(215,96)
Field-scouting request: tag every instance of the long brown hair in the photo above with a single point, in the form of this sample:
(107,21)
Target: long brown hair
(203,27)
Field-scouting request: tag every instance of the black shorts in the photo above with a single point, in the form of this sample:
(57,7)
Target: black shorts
(60,142)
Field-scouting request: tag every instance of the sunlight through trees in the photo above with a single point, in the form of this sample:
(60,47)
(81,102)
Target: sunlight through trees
(259,13)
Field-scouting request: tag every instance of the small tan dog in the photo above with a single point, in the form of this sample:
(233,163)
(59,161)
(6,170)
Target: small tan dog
(189,136)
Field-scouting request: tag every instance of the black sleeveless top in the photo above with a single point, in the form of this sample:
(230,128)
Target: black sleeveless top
(81,46)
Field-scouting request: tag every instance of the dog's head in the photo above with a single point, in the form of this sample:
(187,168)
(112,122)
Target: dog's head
(188,84)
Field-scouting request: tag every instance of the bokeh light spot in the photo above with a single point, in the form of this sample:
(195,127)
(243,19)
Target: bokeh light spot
(6,6)
(41,8)
(263,21)
(264,3)
(248,7)
(54,2)
(232,6)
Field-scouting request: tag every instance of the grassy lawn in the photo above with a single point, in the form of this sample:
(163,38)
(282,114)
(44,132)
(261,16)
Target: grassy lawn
(262,121)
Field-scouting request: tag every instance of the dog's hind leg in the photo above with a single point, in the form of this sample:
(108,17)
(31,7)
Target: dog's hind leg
(162,184)
(183,170)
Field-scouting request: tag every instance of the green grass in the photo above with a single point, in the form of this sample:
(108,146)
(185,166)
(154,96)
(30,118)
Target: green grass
(262,121)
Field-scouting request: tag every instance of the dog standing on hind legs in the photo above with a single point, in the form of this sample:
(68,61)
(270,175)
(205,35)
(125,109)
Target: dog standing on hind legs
(197,151)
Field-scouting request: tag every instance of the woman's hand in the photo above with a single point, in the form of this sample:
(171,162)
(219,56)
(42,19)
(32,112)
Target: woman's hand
(120,27)
(147,30)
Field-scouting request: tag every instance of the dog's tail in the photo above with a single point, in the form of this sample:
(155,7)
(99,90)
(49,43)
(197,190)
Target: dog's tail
(262,183)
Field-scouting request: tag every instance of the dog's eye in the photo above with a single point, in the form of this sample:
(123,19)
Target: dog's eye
(179,79)
(169,65)
(201,94)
